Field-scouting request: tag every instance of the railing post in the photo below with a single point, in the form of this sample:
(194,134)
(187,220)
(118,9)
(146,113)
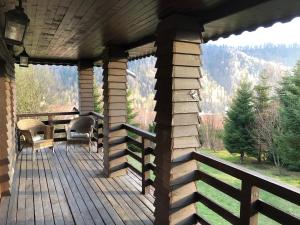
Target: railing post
(250,193)
(145,160)
(115,114)
(96,129)
(50,120)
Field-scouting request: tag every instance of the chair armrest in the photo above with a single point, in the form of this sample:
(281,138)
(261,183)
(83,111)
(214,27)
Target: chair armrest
(27,136)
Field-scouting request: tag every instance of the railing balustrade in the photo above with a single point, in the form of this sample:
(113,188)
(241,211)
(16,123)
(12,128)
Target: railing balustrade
(141,150)
(248,195)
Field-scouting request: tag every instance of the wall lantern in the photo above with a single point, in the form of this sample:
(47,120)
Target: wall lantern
(24,59)
(16,22)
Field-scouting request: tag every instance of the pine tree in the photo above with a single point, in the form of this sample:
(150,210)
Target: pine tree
(289,116)
(262,102)
(130,112)
(262,94)
(238,136)
(98,103)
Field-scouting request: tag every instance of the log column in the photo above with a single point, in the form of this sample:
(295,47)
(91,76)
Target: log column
(85,86)
(7,128)
(115,113)
(177,119)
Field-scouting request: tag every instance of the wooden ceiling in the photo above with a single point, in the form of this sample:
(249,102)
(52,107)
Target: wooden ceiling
(80,29)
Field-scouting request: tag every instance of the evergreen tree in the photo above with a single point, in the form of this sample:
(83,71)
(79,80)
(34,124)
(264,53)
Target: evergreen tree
(262,102)
(98,103)
(262,94)
(289,117)
(130,112)
(130,120)
(238,136)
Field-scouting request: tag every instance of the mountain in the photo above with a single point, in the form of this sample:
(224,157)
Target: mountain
(229,65)
(223,69)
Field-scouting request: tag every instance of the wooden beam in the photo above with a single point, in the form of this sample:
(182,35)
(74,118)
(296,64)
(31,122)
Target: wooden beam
(45,61)
(178,62)
(86,86)
(114,96)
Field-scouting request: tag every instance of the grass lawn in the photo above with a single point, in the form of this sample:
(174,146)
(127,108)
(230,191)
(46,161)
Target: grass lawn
(288,177)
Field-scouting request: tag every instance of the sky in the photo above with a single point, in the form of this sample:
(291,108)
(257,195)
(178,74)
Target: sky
(279,33)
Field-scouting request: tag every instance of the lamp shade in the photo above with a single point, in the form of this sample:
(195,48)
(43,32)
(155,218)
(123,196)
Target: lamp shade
(16,22)
(24,59)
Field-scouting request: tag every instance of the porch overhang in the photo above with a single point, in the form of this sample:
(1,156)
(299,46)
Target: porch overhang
(64,32)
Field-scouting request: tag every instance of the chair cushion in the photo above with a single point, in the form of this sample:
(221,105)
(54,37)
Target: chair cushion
(37,138)
(79,135)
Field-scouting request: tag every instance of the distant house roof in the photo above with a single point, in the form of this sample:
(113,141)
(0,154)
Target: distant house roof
(71,30)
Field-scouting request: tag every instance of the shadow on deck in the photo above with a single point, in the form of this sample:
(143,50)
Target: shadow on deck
(70,189)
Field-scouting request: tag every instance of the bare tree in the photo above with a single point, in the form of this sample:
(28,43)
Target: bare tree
(266,125)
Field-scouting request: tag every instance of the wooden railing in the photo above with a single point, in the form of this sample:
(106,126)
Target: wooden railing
(247,195)
(141,149)
(141,146)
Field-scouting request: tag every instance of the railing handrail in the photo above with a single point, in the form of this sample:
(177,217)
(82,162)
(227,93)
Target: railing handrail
(97,115)
(145,134)
(20,115)
(285,191)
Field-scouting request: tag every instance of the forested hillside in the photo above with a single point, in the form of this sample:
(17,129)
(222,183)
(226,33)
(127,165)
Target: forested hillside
(223,69)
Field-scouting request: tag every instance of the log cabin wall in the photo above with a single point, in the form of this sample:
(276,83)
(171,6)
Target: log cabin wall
(86,87)
(177,107)
(115,113)
(7,119)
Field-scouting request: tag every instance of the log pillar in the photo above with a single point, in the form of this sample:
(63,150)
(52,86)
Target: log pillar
(177,119)
(86,87)
(115,112)
(7,122)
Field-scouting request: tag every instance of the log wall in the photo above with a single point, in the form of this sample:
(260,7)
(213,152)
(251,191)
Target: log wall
(178,83)
(115,113)
(7,119)
(86,87)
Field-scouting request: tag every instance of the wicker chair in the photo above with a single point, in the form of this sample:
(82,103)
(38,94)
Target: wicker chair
(80,131)
(36,134)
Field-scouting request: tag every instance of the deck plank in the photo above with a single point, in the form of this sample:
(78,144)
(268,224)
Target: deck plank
(29,190)
(128,197)
(66,198)
(123,211)
(37,195)
(21,213)
(81,188)
(70,189)
(103,199)
(56,208)
(4,206)
(76,206)
(120,196)
(96,199)
(52,175)
(12,209)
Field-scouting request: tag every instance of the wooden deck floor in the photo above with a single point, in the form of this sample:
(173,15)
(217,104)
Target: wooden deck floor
(69,189)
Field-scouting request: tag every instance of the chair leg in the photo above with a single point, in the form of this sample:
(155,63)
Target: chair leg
(67,148)
(33,154)
(53,150)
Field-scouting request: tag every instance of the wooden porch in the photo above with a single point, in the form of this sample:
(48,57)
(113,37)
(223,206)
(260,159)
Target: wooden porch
(71,189)
(81,188)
